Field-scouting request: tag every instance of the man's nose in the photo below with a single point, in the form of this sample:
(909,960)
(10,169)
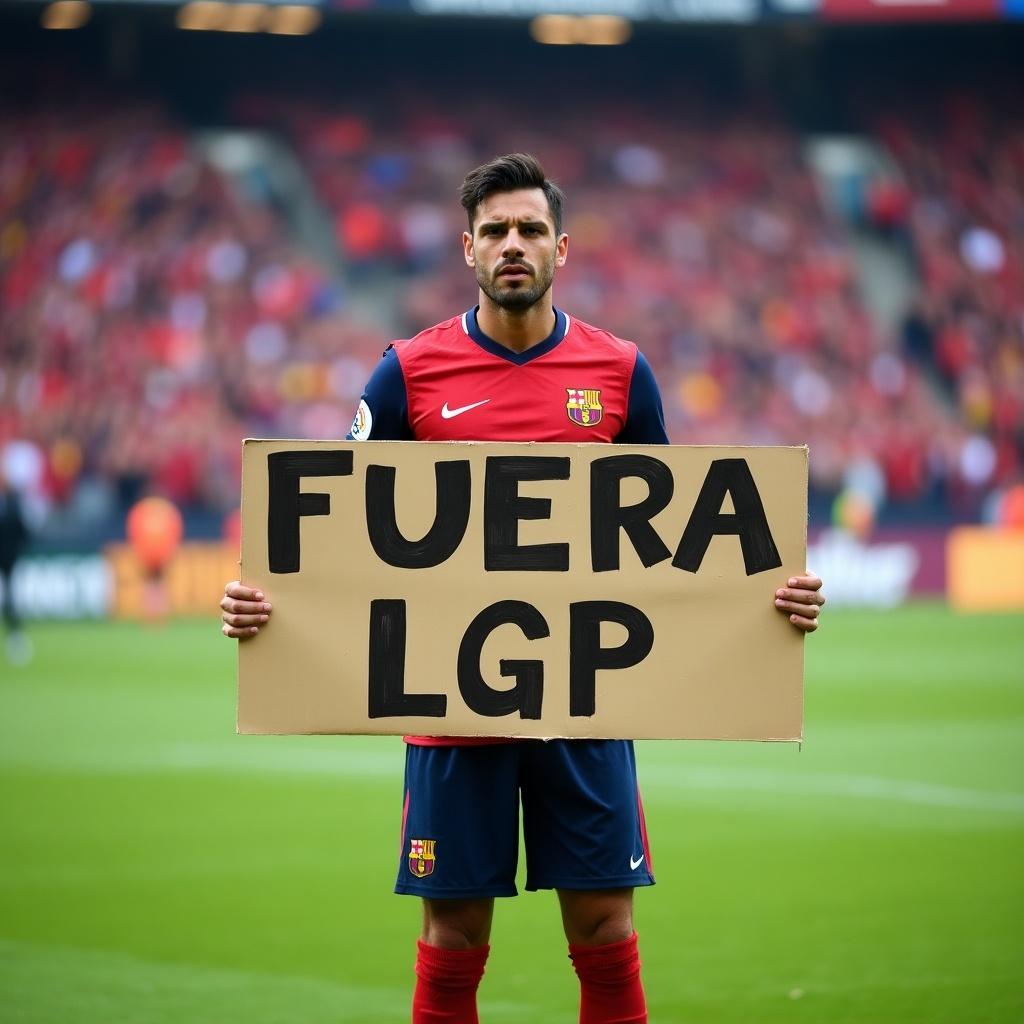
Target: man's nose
(513,244)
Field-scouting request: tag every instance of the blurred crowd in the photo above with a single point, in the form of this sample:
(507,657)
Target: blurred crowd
(151,316)
(153,313)
(962,165)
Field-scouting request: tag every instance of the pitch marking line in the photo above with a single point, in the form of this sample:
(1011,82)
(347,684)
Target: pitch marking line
(250,756)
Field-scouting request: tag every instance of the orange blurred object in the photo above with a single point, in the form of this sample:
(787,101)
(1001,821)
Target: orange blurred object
(154,529)
(854,513)
(1011,508)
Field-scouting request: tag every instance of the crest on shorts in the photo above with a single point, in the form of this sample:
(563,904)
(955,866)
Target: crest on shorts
(584,406)
(422,857)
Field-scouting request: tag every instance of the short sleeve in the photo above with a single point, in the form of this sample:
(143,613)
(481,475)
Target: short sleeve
(645,418)
(383,413)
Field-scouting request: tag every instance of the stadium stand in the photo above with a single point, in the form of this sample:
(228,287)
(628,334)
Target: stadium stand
(154,314)
(962,160)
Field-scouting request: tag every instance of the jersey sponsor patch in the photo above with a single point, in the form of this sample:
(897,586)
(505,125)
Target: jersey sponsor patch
(363,423)
(422,857)
(584,406)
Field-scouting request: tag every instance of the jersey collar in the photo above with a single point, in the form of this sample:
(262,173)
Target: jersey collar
(472,328)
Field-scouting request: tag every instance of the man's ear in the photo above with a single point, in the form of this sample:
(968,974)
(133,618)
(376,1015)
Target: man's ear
(561,249)
(467,248)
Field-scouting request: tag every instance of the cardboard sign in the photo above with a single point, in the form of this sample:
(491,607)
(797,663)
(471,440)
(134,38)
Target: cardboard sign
(454,589)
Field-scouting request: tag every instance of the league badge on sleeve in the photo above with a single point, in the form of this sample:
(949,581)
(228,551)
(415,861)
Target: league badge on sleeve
(362,424)
(584,406)
(422,857)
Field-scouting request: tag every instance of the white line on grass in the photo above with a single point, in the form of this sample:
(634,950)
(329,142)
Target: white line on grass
(387,762)
(257,756)
(66,984)
(60,983)
(866,787)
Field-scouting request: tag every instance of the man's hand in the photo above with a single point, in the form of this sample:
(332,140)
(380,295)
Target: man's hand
(244,611)
(802,599)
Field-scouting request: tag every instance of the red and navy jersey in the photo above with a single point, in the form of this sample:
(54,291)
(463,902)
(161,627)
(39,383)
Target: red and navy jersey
(453,383)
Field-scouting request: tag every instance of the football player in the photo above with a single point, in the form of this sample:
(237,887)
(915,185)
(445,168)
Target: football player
(517,368)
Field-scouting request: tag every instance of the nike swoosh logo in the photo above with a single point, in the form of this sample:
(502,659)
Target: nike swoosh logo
(448,414)
(634,864)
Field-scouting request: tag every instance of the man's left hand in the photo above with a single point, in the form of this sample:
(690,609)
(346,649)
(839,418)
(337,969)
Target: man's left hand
(802,600)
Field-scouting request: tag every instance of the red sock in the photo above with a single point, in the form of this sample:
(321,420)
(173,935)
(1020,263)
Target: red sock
(446,984)
(610,989)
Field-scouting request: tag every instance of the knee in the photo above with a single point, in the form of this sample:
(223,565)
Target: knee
(597,919)
(448,934)
(456,924)
(603,930)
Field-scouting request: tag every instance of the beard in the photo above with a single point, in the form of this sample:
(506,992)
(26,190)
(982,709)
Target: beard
(522,295)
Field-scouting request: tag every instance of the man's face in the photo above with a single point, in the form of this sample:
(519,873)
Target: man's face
(514,249)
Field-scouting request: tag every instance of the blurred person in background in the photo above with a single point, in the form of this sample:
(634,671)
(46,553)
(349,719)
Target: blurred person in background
(154,527)
(14,538)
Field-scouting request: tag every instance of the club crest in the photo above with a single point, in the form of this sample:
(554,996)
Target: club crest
(584,406)
(422,857)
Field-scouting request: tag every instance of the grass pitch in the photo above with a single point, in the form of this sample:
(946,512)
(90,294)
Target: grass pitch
(154,867)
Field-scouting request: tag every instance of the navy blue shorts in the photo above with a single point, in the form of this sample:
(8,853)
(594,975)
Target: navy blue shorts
(583,823)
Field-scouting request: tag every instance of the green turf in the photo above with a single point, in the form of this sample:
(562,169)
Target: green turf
(154,867)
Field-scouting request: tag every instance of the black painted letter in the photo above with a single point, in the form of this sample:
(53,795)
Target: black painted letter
(286,504)
(503,508)
(587,656)
(607,515)
(451,516)
(733,477)
(386,682)
(528,693)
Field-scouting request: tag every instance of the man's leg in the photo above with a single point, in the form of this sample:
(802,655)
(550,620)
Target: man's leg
(460,845)
(585,838)
(457,924)
(450,959)
(595,917)
(17,643)
(603,949)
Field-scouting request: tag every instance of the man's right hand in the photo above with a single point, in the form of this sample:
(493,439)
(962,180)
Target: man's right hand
(244,611)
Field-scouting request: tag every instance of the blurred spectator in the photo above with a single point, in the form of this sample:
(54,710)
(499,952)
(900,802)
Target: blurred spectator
(14,537)
(154,528)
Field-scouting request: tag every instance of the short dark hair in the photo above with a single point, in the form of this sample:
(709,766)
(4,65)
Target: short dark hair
(506,174)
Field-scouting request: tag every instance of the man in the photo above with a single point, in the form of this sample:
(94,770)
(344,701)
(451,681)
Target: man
(14,538)
(515,368)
